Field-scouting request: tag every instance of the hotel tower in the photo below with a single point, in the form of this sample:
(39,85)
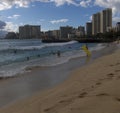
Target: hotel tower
(102,21)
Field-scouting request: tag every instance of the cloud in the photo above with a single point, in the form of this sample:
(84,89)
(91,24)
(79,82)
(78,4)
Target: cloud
(59,21)
(62,2)
(13,16)
(7,27)
(11,27)
(114,4)
(2,24)
(4,5)
(90,18)
(7,4)
(116,19)
(85,3)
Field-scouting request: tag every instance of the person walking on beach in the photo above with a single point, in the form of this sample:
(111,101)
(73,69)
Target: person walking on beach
(85,48)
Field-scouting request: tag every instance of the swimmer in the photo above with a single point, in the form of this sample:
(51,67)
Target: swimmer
(58,53)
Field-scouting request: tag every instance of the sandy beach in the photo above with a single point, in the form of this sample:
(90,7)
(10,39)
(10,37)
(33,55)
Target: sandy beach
(93,88)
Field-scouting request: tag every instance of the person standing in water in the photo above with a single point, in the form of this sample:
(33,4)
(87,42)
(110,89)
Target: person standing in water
(85,48)
(58,53)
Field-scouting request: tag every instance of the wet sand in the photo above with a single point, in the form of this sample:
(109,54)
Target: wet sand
(82,83)
(39,79)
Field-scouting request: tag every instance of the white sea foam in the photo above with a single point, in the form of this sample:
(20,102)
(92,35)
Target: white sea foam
(37,46)
(97,47)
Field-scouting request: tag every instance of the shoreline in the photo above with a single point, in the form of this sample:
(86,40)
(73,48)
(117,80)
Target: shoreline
(89,89)
(98,53)
(65,79)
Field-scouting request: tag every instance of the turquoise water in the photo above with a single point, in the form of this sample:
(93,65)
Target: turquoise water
(16,55)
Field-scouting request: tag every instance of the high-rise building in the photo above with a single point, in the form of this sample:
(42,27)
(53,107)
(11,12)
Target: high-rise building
(65,31)
(56,34)
(29,31)
(118,26)
(106,20)
(89,28)
(96,23)
(81,29)
(101,21)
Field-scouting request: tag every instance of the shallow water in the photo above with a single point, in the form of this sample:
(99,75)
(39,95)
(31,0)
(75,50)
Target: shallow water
(17,55)
(26,85)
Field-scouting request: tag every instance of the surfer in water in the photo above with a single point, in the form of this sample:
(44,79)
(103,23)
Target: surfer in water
(58,53)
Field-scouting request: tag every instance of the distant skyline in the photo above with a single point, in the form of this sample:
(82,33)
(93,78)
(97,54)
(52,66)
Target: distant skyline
(51,14)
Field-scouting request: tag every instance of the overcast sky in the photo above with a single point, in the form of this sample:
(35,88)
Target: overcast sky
(51,14)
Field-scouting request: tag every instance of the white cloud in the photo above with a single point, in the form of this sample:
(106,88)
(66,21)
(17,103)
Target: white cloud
(22,3)
(2,24)
(116,19)
(11,27)
(59,21)
(85,3)
(4,5)
(16,16)
(7,4)
(90,18)
(61,2)
(114,4)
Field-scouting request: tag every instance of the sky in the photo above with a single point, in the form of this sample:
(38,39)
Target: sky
(51,14)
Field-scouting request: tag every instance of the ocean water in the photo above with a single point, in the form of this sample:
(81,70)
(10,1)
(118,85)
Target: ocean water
(17,55)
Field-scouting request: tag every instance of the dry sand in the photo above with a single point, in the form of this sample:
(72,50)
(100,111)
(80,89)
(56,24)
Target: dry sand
(94,88)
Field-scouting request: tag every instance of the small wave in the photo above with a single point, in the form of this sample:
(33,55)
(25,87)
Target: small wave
(97,47)
(37,47)
(20,67)
(46,45)
(52,60)
(61,44)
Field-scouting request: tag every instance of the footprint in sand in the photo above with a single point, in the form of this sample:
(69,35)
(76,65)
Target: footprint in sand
(65,101)
(118,99)
(110,76)
(60,104)
(118,63)
(102,94)
(115,64)
(47,109)
(111,65)
(98,83)
(117,70)
(82,95)
(118,77)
